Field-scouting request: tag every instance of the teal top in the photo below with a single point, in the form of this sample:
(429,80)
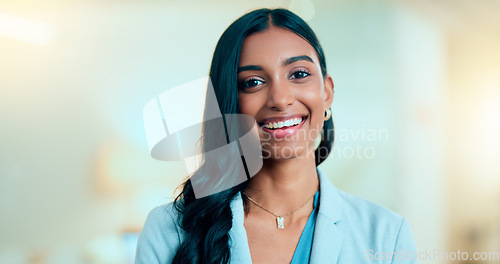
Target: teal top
(303,250)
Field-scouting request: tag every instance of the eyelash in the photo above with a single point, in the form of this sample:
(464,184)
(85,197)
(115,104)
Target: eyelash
(300,71)
(245,84)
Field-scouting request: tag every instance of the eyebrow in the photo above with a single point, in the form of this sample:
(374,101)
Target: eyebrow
(285,63)
(249,68)
(297,58)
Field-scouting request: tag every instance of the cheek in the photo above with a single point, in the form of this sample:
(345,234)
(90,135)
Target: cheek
(315,100)
(247,106)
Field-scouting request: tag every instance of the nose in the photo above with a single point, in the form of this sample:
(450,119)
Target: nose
(280,96)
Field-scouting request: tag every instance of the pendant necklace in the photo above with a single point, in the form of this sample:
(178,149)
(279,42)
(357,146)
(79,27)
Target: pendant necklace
(279,218)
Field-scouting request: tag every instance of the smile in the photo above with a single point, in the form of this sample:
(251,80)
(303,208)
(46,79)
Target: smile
(283,126)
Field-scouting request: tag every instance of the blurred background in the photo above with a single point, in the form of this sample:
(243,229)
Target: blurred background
(417,112)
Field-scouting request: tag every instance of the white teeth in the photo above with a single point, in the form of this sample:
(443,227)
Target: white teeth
(281,124)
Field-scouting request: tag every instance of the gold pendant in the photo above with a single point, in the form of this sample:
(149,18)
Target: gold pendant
(280,222)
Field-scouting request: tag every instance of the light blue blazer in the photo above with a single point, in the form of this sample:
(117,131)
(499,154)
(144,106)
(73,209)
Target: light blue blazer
(348,230)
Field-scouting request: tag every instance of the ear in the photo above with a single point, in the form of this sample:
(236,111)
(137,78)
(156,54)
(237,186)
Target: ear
(329,91)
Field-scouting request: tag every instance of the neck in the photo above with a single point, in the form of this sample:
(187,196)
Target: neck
(283,185)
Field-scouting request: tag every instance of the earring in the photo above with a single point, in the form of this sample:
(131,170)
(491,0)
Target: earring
(328,114)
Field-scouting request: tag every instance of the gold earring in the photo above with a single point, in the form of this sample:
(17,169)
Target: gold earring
(328,114)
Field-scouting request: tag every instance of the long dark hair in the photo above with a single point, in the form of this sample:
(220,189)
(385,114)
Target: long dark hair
(206,221)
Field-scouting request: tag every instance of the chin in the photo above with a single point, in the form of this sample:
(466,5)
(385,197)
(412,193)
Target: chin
(287,152)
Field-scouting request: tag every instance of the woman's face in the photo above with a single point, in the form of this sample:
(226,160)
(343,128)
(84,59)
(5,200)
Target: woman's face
(281,86)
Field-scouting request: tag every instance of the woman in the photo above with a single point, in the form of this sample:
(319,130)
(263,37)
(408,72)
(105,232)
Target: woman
(269,65)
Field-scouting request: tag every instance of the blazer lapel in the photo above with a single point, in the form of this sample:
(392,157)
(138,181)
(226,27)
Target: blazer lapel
(240,251)
(328,233)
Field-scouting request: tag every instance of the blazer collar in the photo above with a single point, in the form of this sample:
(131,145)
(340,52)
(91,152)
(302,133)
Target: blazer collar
(330,202)
(240,251)
(328,234)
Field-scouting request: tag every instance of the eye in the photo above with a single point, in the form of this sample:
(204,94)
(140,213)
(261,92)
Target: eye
(251,83)
(300,74)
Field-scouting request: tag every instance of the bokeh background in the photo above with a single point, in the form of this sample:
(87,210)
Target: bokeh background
(417,108)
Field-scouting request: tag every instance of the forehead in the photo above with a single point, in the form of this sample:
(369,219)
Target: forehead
(273,46)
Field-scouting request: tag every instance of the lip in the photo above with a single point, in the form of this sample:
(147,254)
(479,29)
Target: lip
(283,132)
(281,118)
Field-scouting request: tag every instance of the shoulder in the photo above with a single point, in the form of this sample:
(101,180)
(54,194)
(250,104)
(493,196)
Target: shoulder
(364,214)
(367,214)
(367,227)
(160,236)
(161,220)
(379,233)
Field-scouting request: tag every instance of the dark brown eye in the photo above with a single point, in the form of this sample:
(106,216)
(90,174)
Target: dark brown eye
(299,74)
(251,83)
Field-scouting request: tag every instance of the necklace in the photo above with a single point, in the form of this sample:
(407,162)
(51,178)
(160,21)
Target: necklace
(279,218)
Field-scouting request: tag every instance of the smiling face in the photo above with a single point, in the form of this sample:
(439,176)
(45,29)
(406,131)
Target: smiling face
(281,85)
